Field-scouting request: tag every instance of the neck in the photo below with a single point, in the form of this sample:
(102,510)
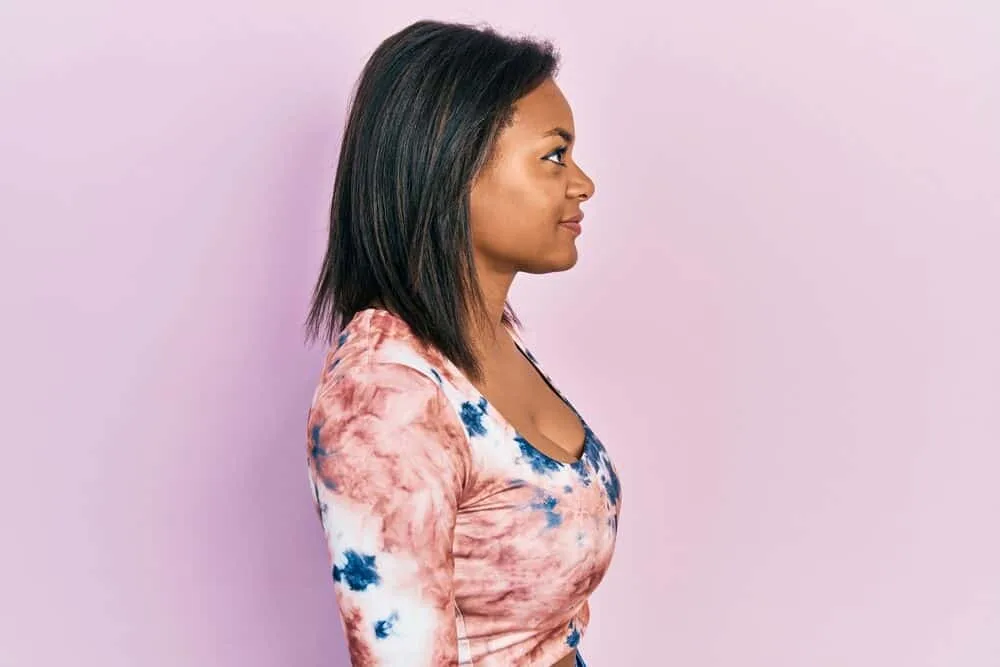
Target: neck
(495,286)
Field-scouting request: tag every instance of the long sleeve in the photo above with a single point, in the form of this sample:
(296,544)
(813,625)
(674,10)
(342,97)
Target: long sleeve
(387,461)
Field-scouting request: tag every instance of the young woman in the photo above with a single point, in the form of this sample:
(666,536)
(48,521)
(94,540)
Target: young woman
(468,508)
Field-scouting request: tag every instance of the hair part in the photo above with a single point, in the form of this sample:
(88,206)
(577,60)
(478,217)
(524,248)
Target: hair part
(425,117)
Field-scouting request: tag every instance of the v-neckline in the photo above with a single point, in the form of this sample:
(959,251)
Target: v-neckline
(545,378)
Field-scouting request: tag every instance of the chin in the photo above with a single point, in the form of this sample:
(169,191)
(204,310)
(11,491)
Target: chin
(564,261)
(568,263)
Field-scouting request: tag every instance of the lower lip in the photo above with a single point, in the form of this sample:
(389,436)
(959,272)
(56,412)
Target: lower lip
(573,226)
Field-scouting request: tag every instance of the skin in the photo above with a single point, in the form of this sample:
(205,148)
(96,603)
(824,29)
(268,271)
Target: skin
(516,205)
(517,201)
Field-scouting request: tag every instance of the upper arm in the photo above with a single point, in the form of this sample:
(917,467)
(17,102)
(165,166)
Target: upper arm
(387,457)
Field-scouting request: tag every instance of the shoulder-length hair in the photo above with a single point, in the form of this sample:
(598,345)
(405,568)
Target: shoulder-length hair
(424,120)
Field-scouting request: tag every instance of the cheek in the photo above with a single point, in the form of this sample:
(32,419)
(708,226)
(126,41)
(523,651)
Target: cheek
(515,216)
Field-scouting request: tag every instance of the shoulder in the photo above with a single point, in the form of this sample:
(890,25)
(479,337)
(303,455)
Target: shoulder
(381,420)
(377,374)
(382,389)
(378,350)
(374,344)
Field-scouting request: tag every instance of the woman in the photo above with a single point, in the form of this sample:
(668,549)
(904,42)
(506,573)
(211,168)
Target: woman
(468,509)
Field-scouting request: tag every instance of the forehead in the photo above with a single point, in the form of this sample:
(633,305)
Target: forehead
(542,109)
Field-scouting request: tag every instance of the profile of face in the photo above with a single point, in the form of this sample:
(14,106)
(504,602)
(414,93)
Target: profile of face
(518,202)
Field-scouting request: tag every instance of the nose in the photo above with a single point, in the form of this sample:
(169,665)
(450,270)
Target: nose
(582,186)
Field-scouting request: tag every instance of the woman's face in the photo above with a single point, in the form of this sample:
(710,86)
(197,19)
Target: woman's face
(518,201)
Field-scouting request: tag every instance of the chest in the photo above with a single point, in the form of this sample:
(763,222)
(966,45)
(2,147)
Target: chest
(533,531)
(532,407)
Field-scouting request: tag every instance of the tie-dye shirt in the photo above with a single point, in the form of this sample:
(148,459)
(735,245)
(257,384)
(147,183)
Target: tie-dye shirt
(453,541)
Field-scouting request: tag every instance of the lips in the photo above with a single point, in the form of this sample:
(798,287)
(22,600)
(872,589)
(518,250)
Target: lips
(573,225)
(576,218)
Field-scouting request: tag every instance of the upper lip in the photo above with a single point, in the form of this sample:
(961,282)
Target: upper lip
(576,218)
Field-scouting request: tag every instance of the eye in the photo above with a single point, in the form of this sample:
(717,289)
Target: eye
(561,151)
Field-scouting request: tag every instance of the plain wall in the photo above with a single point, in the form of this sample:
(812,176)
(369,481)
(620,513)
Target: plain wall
(784,324)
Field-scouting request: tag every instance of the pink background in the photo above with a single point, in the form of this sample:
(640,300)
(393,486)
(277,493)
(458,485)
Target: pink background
(784,325)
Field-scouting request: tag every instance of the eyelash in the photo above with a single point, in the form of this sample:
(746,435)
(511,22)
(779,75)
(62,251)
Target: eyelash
(560,152)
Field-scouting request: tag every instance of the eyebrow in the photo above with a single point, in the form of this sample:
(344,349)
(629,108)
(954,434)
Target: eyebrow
(560,132)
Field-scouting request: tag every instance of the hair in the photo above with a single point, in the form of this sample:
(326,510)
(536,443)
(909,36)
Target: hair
(427,111)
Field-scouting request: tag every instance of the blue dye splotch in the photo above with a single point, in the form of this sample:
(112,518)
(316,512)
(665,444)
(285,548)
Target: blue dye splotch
(612,487)
(358,572)
(319,452)
(317,445)
(580,467)
(437,376)
(574,636)
(383,628)
(592,449)
(606,472)
(539,462)
(472,417)
(568,489)
(548,505)
(341,339)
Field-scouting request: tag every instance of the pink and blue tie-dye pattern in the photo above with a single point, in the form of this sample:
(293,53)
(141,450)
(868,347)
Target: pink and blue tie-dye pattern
(453,541)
